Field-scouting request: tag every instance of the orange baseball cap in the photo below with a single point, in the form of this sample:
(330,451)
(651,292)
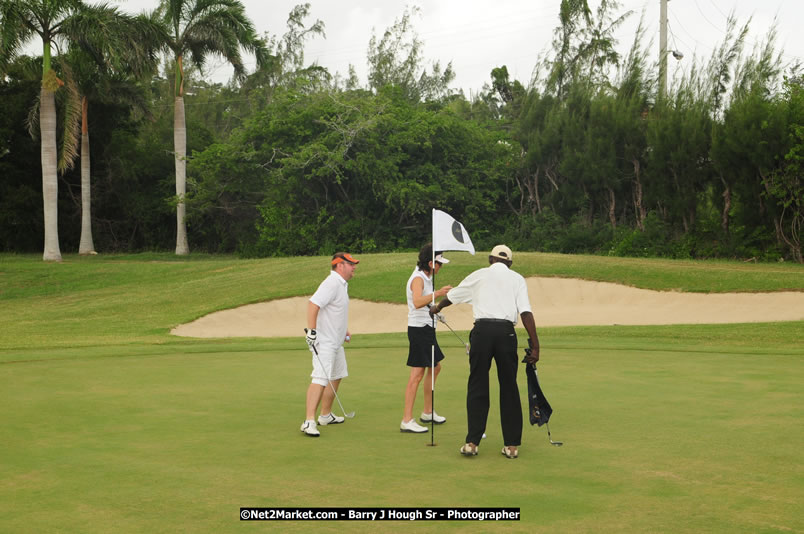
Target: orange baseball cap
(345,256)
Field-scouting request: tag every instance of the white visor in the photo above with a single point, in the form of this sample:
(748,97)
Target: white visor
(441,259)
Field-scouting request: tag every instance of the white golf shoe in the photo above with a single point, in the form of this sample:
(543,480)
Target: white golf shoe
(329,419)
(309,428)
(434,417)
(412,426)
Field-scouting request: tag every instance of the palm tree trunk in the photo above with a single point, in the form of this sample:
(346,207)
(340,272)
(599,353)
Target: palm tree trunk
(86,246)
(50,184)
(180,149)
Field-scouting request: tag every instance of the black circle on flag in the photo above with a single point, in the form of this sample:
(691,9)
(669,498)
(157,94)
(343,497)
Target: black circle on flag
(457,233)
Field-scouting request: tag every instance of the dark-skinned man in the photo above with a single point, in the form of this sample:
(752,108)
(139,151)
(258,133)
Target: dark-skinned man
(499,297)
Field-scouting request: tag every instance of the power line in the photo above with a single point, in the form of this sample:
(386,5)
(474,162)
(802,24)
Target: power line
(690,36)
(706,19)
(718,9)
(722,31)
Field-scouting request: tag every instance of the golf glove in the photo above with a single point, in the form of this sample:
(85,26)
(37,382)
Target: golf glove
(310,337)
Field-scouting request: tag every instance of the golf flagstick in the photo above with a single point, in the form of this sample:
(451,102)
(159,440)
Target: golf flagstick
(432,360)
(448,234)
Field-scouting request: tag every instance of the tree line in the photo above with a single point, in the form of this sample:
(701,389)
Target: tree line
(585,157)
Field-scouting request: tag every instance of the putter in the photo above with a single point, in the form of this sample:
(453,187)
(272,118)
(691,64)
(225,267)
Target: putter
(350,415)
(556,443)
(441,318)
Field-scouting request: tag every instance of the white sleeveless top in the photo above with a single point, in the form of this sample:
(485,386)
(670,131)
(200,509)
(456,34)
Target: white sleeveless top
(420,316)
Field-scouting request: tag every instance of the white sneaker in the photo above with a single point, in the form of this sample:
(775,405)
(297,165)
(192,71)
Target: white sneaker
(329,419)
(434,417)
(412,426)
(308,427)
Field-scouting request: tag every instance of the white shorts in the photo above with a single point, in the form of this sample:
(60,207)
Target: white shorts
(333,360)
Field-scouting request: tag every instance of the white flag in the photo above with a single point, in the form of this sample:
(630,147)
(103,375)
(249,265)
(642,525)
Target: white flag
(449,234)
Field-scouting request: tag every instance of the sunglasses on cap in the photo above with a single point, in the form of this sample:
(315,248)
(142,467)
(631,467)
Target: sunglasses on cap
(344,258)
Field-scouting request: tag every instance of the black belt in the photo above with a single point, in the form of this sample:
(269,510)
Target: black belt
(493,321)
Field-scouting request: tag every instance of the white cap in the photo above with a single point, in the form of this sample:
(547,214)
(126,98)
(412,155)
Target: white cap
(441,259)
(502,252)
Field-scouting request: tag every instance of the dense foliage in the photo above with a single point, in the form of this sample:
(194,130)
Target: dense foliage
(583,158)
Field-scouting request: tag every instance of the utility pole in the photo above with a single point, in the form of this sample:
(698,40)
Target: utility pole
(662,49)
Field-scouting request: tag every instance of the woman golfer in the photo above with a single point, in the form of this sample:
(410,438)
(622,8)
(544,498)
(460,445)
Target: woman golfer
(422,338)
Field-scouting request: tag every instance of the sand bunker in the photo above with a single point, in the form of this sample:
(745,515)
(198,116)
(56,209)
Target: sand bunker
(555,301)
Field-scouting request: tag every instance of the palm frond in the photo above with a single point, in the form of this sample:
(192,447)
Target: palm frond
(146,39)
(122,91)
(32,120)
(98,30)
(221,27)
(71,131)
(15,31)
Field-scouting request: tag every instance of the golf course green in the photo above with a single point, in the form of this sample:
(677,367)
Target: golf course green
(111,424)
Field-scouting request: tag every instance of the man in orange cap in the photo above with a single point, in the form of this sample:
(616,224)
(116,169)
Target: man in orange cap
(327,316)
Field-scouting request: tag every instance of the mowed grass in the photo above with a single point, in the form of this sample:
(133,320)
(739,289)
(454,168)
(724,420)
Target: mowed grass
(110,424)
(118,300)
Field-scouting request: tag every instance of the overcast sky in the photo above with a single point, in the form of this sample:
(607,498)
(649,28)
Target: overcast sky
(479,35)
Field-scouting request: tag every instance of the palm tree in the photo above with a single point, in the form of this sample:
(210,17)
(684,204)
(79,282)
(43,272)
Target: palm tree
(93,81)
(105,74)
(87,244)
(53,21)
(196,29)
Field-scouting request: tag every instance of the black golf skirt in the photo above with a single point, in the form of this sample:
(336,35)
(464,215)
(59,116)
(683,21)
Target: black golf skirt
(422,339)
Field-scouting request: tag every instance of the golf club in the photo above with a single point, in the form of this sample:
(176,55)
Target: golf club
(350,415)
(441,318)
(556,443)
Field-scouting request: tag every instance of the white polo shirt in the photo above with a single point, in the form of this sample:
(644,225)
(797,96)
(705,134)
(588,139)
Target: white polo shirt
(333,300)
(495,292)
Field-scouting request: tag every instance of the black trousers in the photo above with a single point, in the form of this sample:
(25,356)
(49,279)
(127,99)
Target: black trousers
(497,341)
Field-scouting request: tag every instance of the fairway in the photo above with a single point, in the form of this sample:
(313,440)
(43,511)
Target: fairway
(127,429)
